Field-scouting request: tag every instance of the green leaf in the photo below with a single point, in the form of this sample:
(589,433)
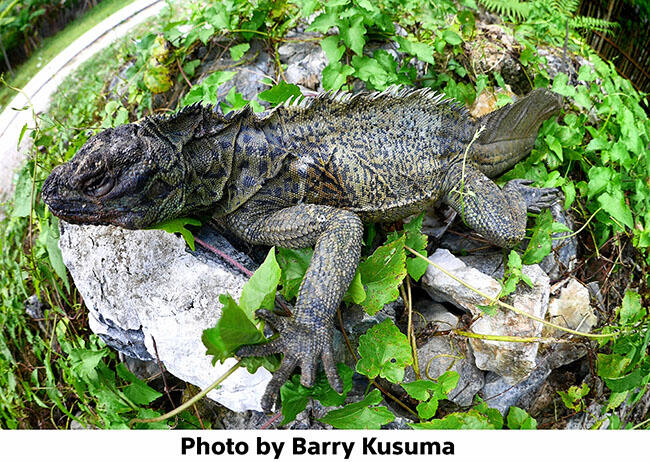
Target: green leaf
(190,67)
(470,420)
(206,91)
(294,396)
(417,241)
(560,86)
(333,51)
(335,75)
(615,205)
(23,193)
(631,310)
(420,50)
(234,101)
(280,93)
(451,37)
(362,415)
(233,330)
(238,51)
(156,79)
(324,22)
(430,393)
(177,225)
(259,291)
(381,275)
(355,292)
(518,419)
(540,243)
(137,391)
(384,352)
(294,264)
(50,234)
(353,35)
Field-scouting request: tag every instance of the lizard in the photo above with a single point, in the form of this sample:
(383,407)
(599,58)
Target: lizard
(309,173)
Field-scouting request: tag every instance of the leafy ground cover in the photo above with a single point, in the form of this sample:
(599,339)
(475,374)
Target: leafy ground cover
(55,372)
(52,46)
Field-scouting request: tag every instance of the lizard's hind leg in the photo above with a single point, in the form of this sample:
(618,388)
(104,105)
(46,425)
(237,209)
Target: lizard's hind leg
(306,336)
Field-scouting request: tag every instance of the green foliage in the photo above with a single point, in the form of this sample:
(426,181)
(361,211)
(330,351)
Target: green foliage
(237,325)
(430,393)
(294,396)
(177,225)
(573,398)
(385,352)
(365,414)
(597,152)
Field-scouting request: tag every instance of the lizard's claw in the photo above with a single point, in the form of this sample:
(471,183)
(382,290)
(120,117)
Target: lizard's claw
(302,347)
(537,199)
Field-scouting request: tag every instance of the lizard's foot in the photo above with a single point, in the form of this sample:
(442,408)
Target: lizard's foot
(537,199)
(301,346)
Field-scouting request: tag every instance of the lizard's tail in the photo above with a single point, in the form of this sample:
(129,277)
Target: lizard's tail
(510,132)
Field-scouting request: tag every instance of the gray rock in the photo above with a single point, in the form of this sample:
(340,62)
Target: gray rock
(511,360)
(501,394)
(444,353)
(443,288)
(305,61)
(145,285)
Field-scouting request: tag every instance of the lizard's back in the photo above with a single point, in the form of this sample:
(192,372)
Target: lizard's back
(381,155)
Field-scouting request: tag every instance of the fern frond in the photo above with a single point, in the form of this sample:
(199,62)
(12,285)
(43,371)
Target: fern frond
(593,24)
(568,7)
(514,9)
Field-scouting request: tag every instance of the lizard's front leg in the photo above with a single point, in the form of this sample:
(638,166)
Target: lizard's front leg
(306,336)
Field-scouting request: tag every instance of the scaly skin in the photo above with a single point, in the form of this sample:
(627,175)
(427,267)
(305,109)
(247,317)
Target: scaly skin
(308,174)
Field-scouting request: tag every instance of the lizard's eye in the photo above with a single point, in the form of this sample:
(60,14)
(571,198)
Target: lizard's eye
(98,186)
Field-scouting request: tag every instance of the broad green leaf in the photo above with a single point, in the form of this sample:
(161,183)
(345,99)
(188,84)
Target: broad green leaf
(206,91)
(470,420)
(420,50)
(238,51)
(561,86)
(381,275)
(540,243)
(294,264)
(294,396)
(259,291)
(362,415)
(335,75)
(353,35)
(177,225)
(324,22)
(280,93)
(157,79)
(384,352)
(631,309)
(332,49)
(417,241)
(137,390)
(233,330)
(22,204)
(451,37)
(50,234)
(615,205)
(355,292)
(518,419)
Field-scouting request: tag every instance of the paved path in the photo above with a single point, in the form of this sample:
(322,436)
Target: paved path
(45,83)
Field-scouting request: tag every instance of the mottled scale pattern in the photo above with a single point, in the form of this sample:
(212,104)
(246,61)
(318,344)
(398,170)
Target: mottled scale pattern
(307,174)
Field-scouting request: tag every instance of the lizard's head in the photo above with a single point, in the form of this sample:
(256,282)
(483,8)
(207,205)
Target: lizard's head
(123,176)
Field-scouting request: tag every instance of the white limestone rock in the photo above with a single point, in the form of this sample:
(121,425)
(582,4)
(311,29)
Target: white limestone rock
(144,285)
(511,360)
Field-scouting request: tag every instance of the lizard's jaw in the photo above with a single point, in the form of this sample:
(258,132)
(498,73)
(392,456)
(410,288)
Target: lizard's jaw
(77,208)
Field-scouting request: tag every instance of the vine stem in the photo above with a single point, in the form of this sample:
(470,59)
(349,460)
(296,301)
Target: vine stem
(508,306)
(191,401)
